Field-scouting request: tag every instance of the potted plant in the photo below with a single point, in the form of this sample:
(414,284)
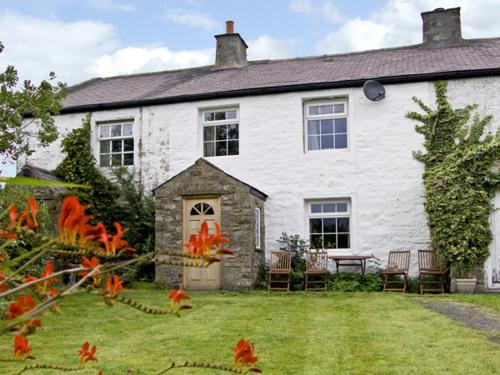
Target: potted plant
(461,274)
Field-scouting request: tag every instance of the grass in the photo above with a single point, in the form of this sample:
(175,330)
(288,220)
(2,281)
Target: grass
(298,333)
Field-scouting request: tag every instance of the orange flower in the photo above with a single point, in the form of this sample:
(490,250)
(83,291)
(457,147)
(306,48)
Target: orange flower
(24,304)
(114,244)
(87,355)
(21,347)
(113,287)
(43,289)
(8,235)
(91,264)
(32,221)
(13,215)
(27,219)
(176,295)
(244,354)
(73,223)
(3,285)
(205,246)
(49,270)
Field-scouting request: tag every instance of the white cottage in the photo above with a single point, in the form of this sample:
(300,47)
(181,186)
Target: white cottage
(295,140)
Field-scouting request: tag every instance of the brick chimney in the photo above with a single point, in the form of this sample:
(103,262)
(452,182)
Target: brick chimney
(441,27)
(231,50)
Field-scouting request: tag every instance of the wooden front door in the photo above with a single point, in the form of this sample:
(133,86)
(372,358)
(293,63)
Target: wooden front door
(196,211)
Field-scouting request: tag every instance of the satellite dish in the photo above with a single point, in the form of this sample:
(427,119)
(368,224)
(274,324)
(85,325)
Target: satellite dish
(374,90)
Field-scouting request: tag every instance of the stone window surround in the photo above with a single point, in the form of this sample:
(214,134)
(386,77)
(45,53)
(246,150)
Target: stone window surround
(349,213)
(307,103)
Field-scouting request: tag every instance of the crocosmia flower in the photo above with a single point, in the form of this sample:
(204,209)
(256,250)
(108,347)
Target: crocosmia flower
(244,354)
(21,347)
(206,246)
(176,295)
(113,286)
(73,224)
(23,304)
(114,244)
(26,220)
(87,355)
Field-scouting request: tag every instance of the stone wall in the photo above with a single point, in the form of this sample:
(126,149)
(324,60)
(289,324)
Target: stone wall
(239,271)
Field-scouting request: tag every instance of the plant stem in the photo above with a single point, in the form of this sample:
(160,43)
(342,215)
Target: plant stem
(207,366)
(11,276)
(14,261)
(37,281)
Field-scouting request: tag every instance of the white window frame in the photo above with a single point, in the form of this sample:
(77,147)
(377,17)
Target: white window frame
(257,228)
(329,215)
(111,138)
(333,116)
(214,123)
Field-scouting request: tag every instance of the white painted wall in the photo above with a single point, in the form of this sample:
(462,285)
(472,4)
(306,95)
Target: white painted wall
(377,172)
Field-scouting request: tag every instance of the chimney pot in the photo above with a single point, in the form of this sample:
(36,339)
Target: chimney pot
(442,27)
(229,27)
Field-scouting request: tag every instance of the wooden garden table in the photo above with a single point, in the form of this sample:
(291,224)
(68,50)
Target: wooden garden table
(355,260)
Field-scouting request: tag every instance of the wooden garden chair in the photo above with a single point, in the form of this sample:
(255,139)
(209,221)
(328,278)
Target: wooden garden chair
(279,267)
(316,274)
(397,265)
(431,275)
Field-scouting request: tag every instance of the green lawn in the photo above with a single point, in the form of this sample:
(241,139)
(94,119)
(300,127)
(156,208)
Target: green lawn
(298,333)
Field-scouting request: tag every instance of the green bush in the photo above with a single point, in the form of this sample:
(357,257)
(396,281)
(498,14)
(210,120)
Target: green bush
(19,195)
(355,282)
(298,247)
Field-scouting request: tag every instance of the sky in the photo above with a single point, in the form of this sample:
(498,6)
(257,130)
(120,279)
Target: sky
(82,39)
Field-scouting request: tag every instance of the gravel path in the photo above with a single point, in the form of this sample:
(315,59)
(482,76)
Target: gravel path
(480,318)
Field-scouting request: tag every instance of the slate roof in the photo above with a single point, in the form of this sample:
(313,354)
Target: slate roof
(32,171)
(475,57)
(254,191)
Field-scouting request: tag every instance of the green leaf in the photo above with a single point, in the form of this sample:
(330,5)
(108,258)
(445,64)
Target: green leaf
(26,181)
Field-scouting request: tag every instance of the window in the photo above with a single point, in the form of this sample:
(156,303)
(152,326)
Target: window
(257,228)
(116,144)
(329,224)
(202,209)
(220,132)
(326,125)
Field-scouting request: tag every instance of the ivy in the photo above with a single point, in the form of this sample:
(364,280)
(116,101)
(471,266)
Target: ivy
(459,179)
(79,166)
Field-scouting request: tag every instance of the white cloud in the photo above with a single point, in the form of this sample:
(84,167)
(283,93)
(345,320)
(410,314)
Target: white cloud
(324,9)
(192,18)
(111,5)
(80,50)
(37,46)
(399,23)
(146,59)
(265,47)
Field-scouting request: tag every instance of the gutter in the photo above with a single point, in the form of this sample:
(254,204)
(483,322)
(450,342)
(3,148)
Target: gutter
(410,78)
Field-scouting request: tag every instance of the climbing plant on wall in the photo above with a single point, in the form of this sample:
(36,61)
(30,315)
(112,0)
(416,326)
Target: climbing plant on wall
(460,178)
(79,166)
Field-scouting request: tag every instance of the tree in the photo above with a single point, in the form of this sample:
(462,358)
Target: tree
(39,102)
